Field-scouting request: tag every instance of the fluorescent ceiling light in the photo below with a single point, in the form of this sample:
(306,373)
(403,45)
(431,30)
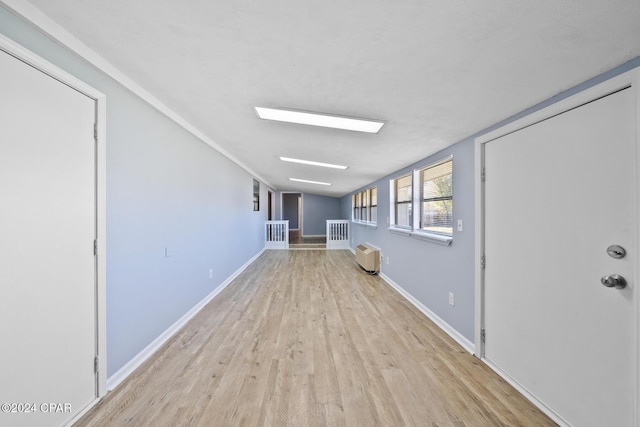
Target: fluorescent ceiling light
(317,119)
(309,162)
(309,182)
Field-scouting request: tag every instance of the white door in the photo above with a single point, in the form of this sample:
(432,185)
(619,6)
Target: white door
(47,230)
(557,194)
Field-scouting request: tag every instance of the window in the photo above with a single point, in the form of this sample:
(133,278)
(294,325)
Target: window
(356,202)
(427,192)
(402,203)
(365,206)
(436,198)
(364,214)
(256,195)
(373,217)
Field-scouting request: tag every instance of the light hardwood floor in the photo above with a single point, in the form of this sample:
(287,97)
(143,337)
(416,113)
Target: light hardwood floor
(306,338)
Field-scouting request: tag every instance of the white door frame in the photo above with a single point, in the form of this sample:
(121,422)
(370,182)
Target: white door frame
(23,54)
(300,205)
(629,79)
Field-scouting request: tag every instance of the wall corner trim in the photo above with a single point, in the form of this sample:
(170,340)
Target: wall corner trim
(114,380)
(448,329)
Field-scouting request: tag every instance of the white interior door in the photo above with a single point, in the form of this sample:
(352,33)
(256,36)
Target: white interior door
(47,263)
(557,194)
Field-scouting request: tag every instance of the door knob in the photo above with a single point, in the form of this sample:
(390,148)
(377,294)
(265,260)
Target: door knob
(614,281)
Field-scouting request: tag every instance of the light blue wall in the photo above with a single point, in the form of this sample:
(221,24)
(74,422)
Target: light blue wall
(316,210)
(429,271)
(165,189)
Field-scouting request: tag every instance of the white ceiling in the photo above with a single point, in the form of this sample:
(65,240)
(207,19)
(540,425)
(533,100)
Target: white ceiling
(436,71)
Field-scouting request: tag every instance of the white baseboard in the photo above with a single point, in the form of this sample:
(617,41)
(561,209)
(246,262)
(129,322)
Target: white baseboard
(148,351)
(532,398)
(448,329)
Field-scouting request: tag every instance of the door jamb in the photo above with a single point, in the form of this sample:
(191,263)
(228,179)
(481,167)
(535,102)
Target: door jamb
(629,79)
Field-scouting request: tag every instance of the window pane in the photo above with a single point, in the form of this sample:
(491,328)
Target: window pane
(436,181)
(374,196)
(437,171)
(353,207)
(437,216)
(374,214)
(403,215)
(436,209)
(403,189)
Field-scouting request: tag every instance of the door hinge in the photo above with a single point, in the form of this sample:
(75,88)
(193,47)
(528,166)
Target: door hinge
(483,335)
(95,364)
(483,175)
(95,131)
(483,261)
(95,247)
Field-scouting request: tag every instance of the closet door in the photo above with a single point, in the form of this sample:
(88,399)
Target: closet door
(47,262)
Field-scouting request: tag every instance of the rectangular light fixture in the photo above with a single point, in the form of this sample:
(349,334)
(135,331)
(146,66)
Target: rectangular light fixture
(312,163)
(309,182)
(319,119)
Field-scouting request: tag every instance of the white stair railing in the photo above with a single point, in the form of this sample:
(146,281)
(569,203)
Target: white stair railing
(337,234)
(277,234)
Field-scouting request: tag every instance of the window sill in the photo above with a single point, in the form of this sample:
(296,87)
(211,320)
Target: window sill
(401,231)
(432,237)
(421,235)
(366,224)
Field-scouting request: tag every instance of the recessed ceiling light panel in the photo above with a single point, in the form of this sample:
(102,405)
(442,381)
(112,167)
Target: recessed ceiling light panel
(309,182)
(319,119)
(312,163)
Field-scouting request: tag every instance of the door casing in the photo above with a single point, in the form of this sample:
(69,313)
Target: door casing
(630,79)
(14,49)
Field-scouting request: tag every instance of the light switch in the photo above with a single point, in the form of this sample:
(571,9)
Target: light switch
(459,225)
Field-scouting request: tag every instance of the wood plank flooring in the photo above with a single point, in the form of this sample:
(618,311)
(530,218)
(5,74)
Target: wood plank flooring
(306,338)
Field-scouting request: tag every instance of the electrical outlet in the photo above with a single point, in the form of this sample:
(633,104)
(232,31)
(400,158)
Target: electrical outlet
(387,260)
(211,273)
(452,299)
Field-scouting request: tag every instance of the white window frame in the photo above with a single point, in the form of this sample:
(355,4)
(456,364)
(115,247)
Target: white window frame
(371,206)
(356,201)
(416,207)
(361,213)
(393,221)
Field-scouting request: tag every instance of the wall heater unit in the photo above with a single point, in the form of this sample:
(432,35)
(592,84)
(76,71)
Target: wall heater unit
(368,257)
